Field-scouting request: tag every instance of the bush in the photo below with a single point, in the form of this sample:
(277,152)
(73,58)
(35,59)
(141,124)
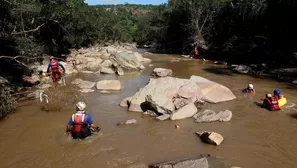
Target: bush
(7,103)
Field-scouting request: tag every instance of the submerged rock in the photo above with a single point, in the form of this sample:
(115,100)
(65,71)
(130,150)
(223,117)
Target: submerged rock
(211,116)
(128,122)
(201,162)
(109,85)
(86,85)
(211,137)
(86,90)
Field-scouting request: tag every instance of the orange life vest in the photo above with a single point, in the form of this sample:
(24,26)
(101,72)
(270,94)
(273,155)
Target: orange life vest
(78,120)
(54,64)
(272,104)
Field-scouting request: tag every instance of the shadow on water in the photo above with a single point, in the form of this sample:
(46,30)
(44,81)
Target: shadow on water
(219,71)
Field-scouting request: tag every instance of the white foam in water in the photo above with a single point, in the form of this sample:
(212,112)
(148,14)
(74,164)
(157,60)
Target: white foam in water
(288,106)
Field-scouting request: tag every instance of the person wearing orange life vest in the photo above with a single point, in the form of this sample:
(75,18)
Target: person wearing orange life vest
(54,66)
(250,89)
(80,124)
(271,103)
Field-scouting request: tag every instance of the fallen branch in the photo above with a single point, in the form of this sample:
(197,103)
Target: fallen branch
(28,31)
(16,57)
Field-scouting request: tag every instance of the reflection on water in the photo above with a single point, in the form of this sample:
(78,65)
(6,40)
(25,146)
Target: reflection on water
(255,137)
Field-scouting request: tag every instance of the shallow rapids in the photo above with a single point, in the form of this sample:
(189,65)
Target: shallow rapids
(255,137)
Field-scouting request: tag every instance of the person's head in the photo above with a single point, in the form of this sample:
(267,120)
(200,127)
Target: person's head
(250,86)
(52,58)
(80,106)
(268,95)
(276,92)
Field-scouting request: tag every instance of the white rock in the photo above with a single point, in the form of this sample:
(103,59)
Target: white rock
(162,72)
(184,112)
(106,70)
(211,137)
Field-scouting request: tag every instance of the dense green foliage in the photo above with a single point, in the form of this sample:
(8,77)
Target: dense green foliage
(233,30)
(255,31)
(37,28)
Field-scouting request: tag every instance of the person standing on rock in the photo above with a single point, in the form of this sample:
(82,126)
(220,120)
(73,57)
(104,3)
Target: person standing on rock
(80,124)
(54,67)
(249,89)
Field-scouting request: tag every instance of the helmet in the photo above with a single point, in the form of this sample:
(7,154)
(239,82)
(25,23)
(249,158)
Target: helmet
(250,86)
(276,92)
(52,57)
(268,95)
(81,106)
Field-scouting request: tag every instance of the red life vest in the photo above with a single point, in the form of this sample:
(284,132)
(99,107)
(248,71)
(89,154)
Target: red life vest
(277,97)
(54,64)
(250,91)
(196,52)
(272,104)
(78,120)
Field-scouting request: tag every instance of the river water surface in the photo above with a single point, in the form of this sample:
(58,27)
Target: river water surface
(254,138)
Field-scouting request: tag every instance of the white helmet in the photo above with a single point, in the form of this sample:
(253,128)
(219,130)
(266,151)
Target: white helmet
(250,86)
(81,106)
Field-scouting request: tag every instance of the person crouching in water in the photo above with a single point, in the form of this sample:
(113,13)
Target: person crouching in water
(80,124)
(271,103)
(249,89)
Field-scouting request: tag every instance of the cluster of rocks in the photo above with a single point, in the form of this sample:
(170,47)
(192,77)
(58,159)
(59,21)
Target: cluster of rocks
(176,98)
(104,60)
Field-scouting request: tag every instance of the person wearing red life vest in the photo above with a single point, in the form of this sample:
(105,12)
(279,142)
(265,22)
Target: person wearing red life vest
(271,103)
(195,53)
(80,124)
(250,89)
(54,67)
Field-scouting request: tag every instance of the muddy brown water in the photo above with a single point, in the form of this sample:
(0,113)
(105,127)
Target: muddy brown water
(254,137)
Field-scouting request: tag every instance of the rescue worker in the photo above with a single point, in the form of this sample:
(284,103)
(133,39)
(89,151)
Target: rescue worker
(80,124)
(277,94)
(195,53)
(271,103)
(54,67)
(249,89)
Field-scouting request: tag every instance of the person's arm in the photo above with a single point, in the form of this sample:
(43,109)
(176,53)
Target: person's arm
(48,68)
(61,66)
(264,104)
(69,125)
(93,127)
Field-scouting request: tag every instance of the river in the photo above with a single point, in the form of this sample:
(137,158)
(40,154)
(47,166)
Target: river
(255,137)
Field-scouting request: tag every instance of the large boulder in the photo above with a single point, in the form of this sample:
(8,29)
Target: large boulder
(213,92)
(162,72)
(166,95)
(106,70)
(211,116)
(106,63)
(158,93)
(125,60)
(109,85)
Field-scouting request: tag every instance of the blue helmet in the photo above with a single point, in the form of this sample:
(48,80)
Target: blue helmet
(276,92)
